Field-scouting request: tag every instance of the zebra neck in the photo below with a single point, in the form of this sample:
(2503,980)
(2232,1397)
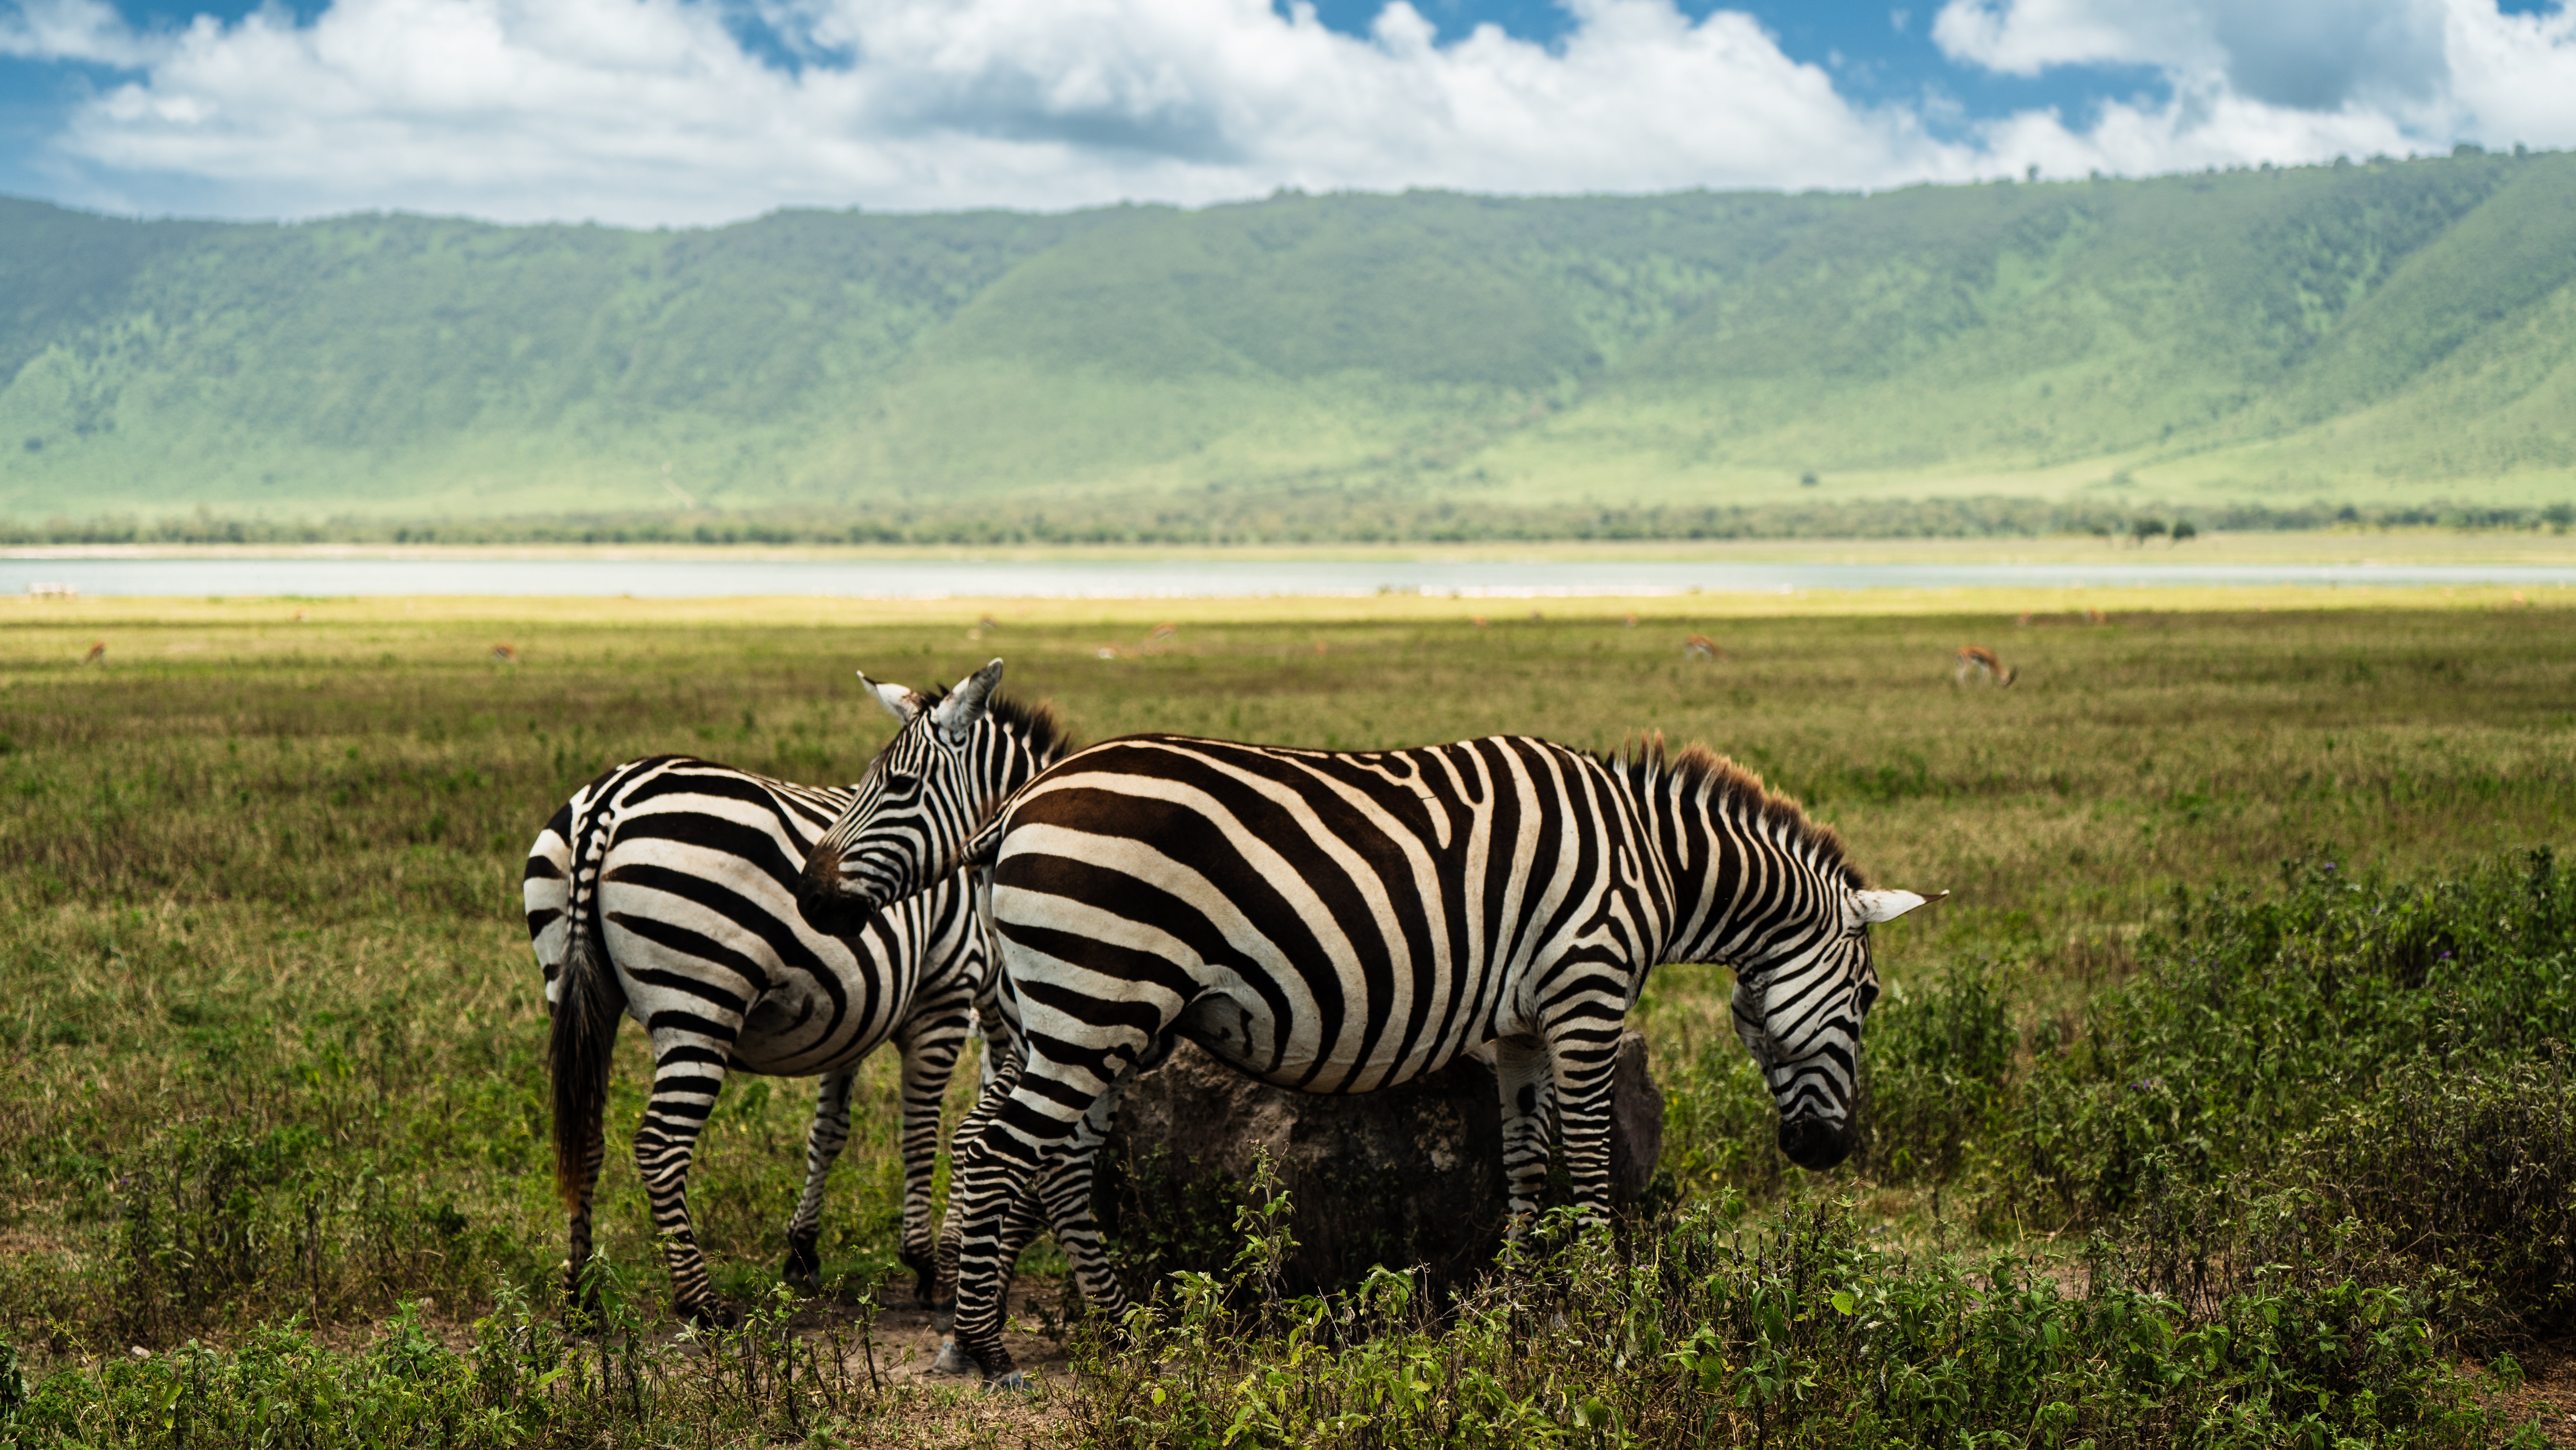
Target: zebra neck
(1735,885)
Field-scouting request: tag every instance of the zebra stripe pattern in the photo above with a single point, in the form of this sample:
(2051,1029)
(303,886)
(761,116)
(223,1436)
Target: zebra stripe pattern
(665,889)
(1338,922)
(1000,745)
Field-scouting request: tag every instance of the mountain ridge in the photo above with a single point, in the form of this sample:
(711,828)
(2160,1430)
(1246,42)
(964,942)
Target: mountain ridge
(2382,332)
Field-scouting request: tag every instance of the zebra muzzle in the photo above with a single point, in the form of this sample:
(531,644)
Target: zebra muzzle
(830,902)
(1814,1142)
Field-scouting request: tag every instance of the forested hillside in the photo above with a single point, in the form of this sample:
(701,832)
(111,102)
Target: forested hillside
(2382,333)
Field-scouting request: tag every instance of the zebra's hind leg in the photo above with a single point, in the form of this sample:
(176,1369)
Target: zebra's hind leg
(823,1143)
(1063,1187)
(685,1082)
(1521,1076)
(580,1292)
(942,1302)
(1027,1220)
(1059,1199)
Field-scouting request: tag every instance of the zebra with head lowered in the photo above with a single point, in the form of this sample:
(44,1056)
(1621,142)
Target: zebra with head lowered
(1342,921)
(664,890)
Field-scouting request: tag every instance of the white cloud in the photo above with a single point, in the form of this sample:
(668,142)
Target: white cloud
(646,111)
(81,30)
(2291,80)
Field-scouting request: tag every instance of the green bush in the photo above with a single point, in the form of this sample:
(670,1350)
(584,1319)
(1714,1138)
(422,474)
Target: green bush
(2251,1021)
(523,1380)
(1933,1067)
(1712,1329)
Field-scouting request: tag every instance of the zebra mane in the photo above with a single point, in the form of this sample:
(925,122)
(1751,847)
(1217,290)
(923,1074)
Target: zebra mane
(1047,737)
(1741,794)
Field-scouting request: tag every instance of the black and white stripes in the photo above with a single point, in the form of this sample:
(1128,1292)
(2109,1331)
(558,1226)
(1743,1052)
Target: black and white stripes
(665,890)
(1337,922)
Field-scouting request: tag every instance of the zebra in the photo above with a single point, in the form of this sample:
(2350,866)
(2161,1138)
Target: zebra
(1343,921)
(664,890)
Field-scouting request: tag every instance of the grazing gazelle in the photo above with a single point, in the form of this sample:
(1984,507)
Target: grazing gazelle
(1982,660)
(1701,647)
(96,653)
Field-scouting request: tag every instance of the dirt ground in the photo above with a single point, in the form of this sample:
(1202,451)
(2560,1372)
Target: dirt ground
(2547,1393)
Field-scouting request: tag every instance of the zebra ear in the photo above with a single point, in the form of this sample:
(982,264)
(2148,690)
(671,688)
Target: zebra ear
(899,702)
(964,708)
(1877,906)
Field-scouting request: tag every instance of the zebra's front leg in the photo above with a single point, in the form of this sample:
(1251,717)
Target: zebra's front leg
(1583,1056)
(823,1144)
(1521,1076)
(929,1046)
(687,1075)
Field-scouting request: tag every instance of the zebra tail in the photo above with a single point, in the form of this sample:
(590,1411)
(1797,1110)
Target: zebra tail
(584,1034)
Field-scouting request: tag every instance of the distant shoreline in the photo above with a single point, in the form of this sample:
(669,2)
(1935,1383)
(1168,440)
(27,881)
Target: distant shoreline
(2335,546)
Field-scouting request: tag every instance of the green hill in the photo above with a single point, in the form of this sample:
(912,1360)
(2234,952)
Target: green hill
(2386,333)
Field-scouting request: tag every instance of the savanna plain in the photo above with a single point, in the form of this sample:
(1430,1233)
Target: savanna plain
(2223,1103)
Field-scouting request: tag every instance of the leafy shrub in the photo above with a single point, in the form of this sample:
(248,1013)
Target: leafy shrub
(2251,1021)
(1711,1329)
(2472,1172)
(1933,1065)
(522,1381)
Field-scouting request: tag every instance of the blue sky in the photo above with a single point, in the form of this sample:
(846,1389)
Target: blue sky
(692,111)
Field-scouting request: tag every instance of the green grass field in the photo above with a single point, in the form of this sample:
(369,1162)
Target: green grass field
(274,1037)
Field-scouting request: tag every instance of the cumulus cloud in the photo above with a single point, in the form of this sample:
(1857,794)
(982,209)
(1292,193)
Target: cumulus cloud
(652,111)
(80,30)
(2291,80)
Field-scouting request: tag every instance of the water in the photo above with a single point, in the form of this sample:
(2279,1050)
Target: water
(1166,579)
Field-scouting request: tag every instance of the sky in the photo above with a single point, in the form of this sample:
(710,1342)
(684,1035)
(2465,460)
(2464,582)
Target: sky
(698,112)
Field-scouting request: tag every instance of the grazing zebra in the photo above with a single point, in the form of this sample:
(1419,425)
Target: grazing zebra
(1339,922)
(665,889)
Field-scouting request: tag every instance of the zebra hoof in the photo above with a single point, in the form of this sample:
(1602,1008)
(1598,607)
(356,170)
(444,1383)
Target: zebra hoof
(1014,1383)
(943,1317)
(803,1270)
(953,1360)
(713,1314)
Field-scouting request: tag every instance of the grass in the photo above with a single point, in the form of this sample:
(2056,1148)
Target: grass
(274,1037)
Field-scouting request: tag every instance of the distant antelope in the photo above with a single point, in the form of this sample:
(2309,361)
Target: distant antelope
(2095,616)
(1701,647)
(1981,659)
(505,654)
(96,653)
(1160,637)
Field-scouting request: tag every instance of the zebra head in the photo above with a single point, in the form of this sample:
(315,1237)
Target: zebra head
(953,759)
(1800,1015)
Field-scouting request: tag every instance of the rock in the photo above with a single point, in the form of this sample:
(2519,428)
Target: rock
(1411,1175)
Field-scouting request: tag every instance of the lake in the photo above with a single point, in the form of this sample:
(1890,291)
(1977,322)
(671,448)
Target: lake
(700,577)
